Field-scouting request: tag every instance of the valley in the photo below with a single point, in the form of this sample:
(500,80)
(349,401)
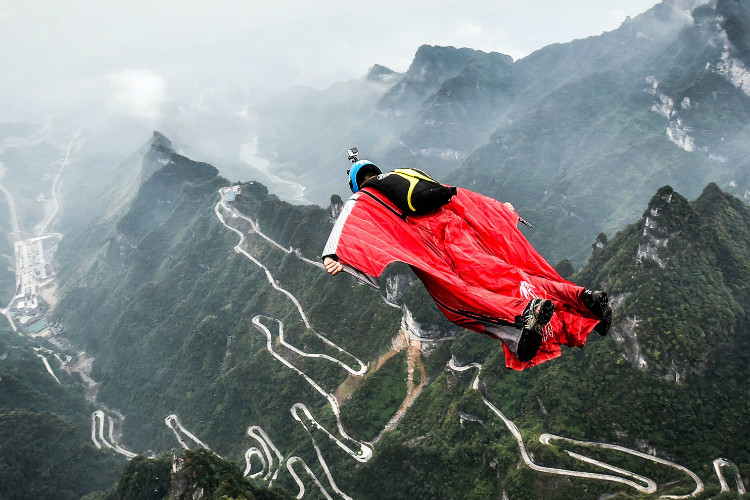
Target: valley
(302,414)
(260,459)
(169,321)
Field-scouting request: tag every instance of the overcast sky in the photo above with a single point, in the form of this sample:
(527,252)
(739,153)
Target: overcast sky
(160,46)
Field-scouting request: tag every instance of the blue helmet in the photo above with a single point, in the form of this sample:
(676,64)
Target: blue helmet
(358,171)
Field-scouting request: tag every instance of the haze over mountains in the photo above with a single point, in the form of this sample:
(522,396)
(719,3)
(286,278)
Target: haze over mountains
(194,312)
(661,100)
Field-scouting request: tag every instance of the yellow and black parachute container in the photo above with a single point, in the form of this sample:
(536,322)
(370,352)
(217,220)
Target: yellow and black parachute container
(412,190)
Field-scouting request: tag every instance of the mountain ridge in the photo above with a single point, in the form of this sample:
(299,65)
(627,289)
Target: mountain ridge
(183,331)
(682,253)
(180,307)
(659,100)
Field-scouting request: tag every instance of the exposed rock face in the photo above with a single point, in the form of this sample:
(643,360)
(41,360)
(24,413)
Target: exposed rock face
(183,488)
(673,282)
(655,236)
(626,334)
(158,155)
(334,209)
(396,285)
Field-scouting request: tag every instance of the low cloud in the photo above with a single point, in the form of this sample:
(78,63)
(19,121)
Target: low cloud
(140,92)
(468,30)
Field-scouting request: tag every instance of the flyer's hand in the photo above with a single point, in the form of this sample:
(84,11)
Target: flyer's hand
(332,266)
(510,206)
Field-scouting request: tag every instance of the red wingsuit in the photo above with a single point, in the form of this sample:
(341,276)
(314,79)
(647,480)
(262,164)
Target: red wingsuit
(474,262)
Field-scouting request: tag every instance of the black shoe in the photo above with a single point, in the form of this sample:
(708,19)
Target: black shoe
(537,314)
(528,344)
(602,328)
(598,303)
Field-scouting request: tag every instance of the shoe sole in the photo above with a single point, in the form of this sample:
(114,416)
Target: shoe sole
(603,312)
(546,310)
(604,302)
(542,314)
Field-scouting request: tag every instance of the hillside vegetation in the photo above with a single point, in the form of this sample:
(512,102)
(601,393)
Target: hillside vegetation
(167,311)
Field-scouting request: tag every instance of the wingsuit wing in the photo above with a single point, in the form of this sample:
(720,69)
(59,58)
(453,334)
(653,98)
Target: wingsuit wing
(475,263)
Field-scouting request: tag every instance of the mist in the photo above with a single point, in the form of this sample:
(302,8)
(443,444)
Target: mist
(203,73)
(85,50)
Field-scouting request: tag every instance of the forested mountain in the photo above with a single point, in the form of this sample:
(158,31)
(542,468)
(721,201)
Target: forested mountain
(184,326)
(45,428)
(194,474)
(682,298)
(663,99)
(192,310)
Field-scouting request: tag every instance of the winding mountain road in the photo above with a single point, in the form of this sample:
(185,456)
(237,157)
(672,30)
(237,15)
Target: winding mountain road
(365,449)
(260,435)
(98,416)
(359,450)
(290,467)
(239,248)
(641,483)
(48,367)
(719,463)
(16,237)
(267,463)
(11,205)
(362,451)
(174,424)
(699,487)
(72,146)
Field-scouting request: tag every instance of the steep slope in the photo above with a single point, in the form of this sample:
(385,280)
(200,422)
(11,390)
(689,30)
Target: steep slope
(458,117)
(199,474)
(189,329)
(45,427)
(577,136)
(664,113)
(675,277)
(431,66)
(678,279)
(167,309)
(305,136)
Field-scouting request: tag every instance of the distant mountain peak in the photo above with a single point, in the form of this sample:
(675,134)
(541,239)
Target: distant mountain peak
(159,153)
(432,65)
(681,300)
(161,140)
(381,74)
(444,61)
(663,220)
(712,201)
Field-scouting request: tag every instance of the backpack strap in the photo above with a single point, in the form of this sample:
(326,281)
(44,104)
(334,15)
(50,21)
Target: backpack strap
(413,176)
(368,193)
